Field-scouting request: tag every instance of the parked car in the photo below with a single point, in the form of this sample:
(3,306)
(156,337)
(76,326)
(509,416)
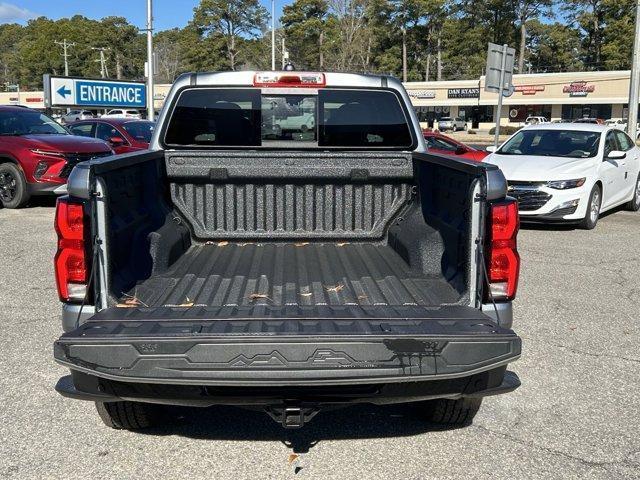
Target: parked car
(122,113)
(594,121)
(570,173)
(286,274)
(451,123)
(37,154)
(620,123)
(441,144)
(123,134)
(535,120)
(75,115)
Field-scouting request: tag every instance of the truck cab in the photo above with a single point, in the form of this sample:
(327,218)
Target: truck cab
(238,264)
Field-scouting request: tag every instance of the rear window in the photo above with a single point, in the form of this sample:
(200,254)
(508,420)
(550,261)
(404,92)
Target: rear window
(305,118)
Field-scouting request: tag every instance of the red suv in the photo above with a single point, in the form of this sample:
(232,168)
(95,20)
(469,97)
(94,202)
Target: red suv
(37,155)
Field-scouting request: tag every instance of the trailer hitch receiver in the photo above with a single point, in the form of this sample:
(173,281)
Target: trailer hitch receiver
(292,416)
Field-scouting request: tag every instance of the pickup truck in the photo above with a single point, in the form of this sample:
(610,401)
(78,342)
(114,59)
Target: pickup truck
(287,274)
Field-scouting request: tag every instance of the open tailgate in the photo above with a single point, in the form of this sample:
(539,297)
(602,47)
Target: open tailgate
(288,345)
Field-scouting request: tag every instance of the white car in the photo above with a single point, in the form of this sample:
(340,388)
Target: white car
(451,123)
(620,123)
(570,172)
(535,120)
(122,113)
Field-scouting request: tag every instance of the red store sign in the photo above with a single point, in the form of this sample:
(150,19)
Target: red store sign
(33,99)
(578,89)
(529,89)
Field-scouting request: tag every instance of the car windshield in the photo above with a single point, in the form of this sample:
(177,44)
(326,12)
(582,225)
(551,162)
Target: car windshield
(140,131)
(28,122)
(553,143)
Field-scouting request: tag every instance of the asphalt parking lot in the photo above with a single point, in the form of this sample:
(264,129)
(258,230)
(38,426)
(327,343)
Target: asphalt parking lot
(577,414)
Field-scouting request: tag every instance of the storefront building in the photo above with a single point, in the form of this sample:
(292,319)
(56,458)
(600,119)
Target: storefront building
(555,96)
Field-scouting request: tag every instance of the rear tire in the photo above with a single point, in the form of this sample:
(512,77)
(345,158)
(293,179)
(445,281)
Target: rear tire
(13,186)
(634,204)
(128,415)
(445,411)
(593,209)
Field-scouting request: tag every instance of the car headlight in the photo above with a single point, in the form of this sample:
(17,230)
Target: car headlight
(565,184)
(46,153)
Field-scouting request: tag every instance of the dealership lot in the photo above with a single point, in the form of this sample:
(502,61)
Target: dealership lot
(575,416)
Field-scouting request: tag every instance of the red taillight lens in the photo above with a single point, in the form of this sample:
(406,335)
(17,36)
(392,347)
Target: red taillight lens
(503,259)
(70,262)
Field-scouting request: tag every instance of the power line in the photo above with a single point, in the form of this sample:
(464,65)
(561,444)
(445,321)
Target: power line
(65,54)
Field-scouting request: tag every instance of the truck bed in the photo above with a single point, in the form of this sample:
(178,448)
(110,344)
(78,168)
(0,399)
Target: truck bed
(219,274)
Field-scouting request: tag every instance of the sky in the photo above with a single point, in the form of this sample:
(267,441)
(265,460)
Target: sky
(167,13)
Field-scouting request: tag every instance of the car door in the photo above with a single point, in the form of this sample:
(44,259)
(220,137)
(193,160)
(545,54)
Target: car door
(611,172)
(109,133)
(629,172)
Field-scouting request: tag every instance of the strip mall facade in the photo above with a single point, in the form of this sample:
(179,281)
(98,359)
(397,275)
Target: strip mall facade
(552,95)
(555,96)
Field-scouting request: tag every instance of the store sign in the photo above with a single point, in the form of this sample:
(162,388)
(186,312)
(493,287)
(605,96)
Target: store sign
(14,99)
(529,89)
(34,99)
(578,89)
(422,93)
(463,93)
(67,91)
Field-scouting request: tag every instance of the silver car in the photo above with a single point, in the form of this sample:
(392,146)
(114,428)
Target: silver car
(451,123)
(75,115)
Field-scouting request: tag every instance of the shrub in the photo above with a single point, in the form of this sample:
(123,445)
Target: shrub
(471,132)
(508,130)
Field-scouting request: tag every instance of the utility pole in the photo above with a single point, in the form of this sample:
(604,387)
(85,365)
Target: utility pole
(65,54)
(150,66)
(404,55)
(284,54)
(104,72)
(273,35)
(634,86)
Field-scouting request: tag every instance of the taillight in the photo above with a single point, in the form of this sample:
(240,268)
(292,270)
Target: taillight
(289,79)
(503,261)
(70,262)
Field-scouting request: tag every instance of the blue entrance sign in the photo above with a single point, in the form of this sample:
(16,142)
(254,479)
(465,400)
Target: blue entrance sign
(83,92)
(110,94)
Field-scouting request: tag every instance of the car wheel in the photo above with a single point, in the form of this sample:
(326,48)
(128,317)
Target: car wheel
(13,186)
(593,209)
(634,204)
(446,411)
(128,415)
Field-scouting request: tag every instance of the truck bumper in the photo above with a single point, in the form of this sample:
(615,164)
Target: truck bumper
(288,352)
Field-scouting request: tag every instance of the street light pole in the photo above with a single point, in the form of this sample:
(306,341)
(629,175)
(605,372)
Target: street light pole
(634,86)
(273,34)
(150,66)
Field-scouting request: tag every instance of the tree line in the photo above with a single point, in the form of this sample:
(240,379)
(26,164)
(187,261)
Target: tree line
(411,39)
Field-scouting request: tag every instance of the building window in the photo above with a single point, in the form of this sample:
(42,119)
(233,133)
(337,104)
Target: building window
(574,112)
(431,114)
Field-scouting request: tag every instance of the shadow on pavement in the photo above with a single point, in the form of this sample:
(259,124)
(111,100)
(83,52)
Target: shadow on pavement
(354,422)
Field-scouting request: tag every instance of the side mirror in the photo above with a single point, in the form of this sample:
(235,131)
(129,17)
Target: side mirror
(116,141)
(616,155)
(460,150)
(491,148)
